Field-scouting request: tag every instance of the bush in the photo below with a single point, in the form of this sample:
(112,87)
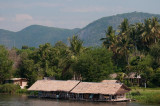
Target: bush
(22,91)
(34,93)
(9,88)
(135,93)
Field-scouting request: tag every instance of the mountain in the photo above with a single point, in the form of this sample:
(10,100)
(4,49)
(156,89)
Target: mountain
(35,35)
(5,37)
(92,33)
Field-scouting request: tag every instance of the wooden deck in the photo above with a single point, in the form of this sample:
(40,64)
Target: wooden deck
(119,100)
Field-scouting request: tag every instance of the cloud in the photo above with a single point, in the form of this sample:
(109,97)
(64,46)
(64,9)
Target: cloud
(23,17)
(2,19)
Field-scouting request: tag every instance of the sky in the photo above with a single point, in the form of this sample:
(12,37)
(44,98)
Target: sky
(18,14)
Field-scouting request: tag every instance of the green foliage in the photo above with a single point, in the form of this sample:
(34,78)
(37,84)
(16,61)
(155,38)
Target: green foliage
(5,64)
(22,91)
(95,30)
(147,96)
(156,78)
(136,49)
(76,45)
(121,77)
(43,62)
(9,88)
(94,65)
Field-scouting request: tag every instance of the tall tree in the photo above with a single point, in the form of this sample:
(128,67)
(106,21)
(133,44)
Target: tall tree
(95,64)
(110,40)
(76,45)
(124,45)
(135,34)
(151,32)
(75,49)
(5,64)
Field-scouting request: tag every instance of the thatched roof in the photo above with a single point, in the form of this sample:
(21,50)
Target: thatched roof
(53,85)
(133,75)
(99,88)
(113,76)
(110,81)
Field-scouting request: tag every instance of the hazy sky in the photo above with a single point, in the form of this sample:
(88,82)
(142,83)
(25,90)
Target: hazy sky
(18,14)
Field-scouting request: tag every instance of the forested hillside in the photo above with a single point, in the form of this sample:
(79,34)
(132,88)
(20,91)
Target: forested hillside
(96,30)
(35,35)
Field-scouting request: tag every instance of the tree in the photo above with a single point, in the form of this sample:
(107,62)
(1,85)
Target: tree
(75,49)
(135,34)
(151,32)
(155,53)
(46,61)
(5,65)
(76,45)
(124,45)
(25,47)
(94,65)
(156,78)
(110,40)
(142,66)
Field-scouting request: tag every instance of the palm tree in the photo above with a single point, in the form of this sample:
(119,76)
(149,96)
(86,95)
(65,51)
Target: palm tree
(135,34)
(151,31)
(75,49)
(110,40)
(124,45)
(155,28)
(76,45)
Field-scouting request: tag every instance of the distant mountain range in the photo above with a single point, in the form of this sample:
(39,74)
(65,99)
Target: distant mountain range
(35,35)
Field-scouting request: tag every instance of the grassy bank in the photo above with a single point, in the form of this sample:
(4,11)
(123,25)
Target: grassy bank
(12,89)
(148,95)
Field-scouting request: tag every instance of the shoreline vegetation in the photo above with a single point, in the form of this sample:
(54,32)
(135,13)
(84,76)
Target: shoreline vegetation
(137,94)
(12,89)
(145,95)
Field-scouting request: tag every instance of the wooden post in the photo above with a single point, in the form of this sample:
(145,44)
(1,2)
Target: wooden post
(145,85)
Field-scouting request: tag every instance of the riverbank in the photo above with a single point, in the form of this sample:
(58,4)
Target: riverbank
(140,95)
(12,89)
(23,100)
(146,95)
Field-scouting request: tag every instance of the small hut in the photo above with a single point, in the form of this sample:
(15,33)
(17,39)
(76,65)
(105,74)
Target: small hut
(100,91)
(22,82)
(53,88)
(134,78)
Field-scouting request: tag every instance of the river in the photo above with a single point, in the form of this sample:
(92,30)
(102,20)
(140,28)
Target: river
(23,100)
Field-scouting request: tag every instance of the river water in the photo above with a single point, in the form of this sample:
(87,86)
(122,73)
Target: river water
(23,100)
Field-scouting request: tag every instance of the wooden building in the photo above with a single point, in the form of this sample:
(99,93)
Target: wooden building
(53,88)
(76,90)
(22,82)
(135,79)
(100,91)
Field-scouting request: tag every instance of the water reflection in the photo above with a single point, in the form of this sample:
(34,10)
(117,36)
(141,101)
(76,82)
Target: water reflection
(23,100)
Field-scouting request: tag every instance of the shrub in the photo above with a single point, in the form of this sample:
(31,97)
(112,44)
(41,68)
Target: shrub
(22,91)
(9,88)
(135,93)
